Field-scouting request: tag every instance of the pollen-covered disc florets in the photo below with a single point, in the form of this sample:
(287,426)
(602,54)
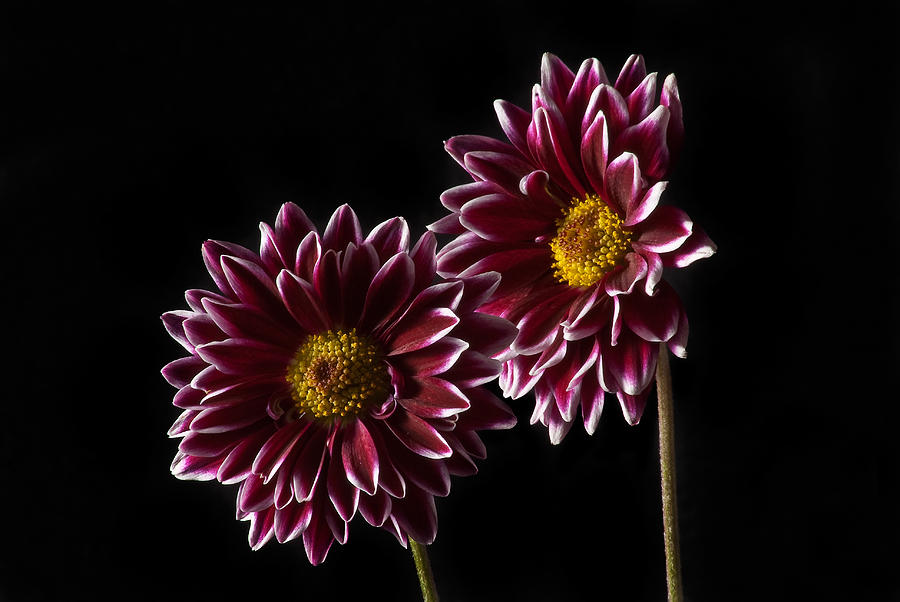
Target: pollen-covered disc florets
(337,373)
(590,241)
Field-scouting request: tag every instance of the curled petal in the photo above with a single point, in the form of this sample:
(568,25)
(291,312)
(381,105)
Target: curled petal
(622,281)
(697,246)
(665,229)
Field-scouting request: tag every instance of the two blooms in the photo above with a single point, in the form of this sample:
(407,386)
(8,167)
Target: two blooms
(329,376)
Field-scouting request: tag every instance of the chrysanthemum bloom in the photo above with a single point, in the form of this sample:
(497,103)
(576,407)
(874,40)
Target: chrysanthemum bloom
(328,377)
(569,212)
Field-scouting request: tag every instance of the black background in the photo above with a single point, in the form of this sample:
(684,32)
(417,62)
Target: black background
(129,136)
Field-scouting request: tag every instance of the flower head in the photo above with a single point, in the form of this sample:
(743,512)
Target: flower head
(569,212)
(328,376)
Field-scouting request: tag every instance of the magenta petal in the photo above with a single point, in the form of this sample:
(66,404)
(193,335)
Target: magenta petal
(633,72)
(431,397)
(553,149)
(556,78)
(607,100)
(647,140)
(236,466)
(188,398)
(503,218)
(449,224)
(194,468)
(388,292)
(697,246)
(252,285)
(500,168)
(327,283)
(255,495)
(538,327)
(595,151)
(179,373)
(622,281)
(375,508)
(218,419)
(642,98)
(173,323)
(653,318)
(308,466)
(308,254)
(202,329)
(358,267)
(592,397)
(317,537)
(654,270)
(245,356)
(623,182)
(261,528)
(460,146)
(420,329)
(631,364)
(485,333)
(486,412)
(240,321)
(590,75)
(434,359)
(633,405)
(418,436)
(213,250)
(390,237)
(665,229)
(416,515)
(552,355)
(678,343)
(291,226)
(670,98)
(514,122)
(454,198)
(472,369)
(342,229)
(276,449)
(643,205)
(291,521)
(360,457)
(424,260)
(343,495)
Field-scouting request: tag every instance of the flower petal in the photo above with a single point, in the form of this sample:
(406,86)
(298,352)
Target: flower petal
(622,281)
(360,457)
(388,292)
(665,229)
(418,436)
(419,330)
(503,218)
(697,246)
(431,397)
(342,229)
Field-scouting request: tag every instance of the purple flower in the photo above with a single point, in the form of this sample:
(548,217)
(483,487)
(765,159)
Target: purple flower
(569,212)
(328,376)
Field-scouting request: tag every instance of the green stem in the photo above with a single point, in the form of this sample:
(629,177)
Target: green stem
(423,570)
(667,475)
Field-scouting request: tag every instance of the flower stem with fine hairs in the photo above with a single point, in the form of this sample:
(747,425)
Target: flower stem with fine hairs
(667,474)
(423,570)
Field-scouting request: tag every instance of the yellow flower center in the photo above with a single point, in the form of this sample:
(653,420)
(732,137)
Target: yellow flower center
(589,242)
(337,373)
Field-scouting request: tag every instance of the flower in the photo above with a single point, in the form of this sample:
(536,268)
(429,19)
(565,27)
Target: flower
(328,377)
(569,212)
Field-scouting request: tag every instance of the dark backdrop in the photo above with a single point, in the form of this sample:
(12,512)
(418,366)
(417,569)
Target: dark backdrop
(129,136)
